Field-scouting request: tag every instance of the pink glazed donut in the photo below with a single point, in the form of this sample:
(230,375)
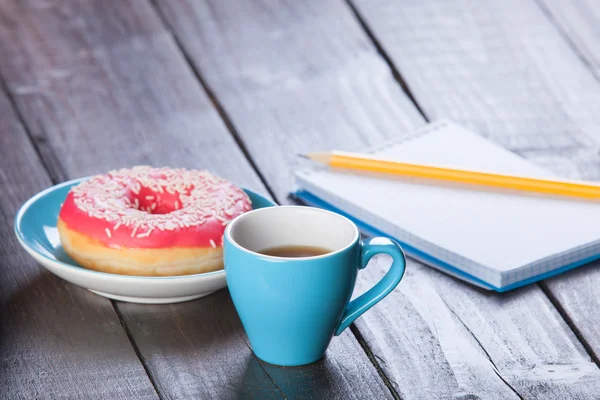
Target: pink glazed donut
(148,221)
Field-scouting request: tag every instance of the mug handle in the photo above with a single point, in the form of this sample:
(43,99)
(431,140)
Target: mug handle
(369,248)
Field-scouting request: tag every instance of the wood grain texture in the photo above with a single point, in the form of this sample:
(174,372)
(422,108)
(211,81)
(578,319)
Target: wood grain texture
(578,21)
(56,340)
(292,76)
(502,69)
(102,85)
(506,71)
(198,349)
(301,76)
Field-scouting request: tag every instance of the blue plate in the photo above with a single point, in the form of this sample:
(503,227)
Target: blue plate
(35,227)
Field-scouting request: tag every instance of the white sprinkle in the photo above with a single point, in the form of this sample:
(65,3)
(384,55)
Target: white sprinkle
(110,198)
(107,232)
(134,231)
(212,243)
(145,234)
(220,218)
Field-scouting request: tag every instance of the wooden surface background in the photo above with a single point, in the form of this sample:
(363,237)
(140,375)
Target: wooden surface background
(241,87)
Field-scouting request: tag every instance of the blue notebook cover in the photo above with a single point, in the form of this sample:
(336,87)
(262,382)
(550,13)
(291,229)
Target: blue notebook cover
(493,239)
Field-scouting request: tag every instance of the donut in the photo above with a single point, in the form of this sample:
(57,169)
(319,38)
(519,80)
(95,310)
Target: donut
(147,221)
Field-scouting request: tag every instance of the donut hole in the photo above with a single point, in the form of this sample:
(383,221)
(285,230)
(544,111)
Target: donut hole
(155,203)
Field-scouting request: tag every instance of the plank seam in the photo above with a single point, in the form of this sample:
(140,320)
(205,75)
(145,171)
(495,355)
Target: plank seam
(260,363)
(55,179)
(271,378)
(380,50)
(137,350)
(214,101)
(373,358)
(495,368)
(13,104)
(235,134)
(543,286)
(565,35)
(405,87)
(569,321)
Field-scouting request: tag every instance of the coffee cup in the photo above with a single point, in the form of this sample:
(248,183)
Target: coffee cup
(291,307)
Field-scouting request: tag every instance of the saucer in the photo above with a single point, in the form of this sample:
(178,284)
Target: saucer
(35,227)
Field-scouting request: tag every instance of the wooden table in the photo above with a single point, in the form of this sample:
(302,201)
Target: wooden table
(240,87)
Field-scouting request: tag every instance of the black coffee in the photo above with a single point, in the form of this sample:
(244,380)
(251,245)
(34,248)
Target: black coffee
(293,251)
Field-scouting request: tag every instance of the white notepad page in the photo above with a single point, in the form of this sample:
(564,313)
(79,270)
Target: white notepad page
(498,236)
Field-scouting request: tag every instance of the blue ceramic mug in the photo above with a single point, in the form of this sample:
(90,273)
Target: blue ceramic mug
(292,307)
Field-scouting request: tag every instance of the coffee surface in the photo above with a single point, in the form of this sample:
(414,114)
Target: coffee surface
(295,251)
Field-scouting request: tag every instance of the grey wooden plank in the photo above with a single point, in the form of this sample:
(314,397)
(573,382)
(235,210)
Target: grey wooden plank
(502,69)
(55,341)
(505,70)
(198,349)
(576,292)
(293,77)
(102,85)
(578,21)
(301,76)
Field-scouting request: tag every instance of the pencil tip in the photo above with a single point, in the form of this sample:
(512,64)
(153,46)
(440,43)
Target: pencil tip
(322,158)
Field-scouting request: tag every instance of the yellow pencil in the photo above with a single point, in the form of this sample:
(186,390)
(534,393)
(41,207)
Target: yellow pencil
(364,163)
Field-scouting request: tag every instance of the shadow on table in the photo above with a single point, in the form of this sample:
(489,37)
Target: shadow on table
(317,380)
(205,337)
(190,348)
(198,347)
(312,381)
(250,385)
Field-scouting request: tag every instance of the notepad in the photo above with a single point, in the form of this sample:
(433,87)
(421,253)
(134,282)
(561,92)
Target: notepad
(496,239)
